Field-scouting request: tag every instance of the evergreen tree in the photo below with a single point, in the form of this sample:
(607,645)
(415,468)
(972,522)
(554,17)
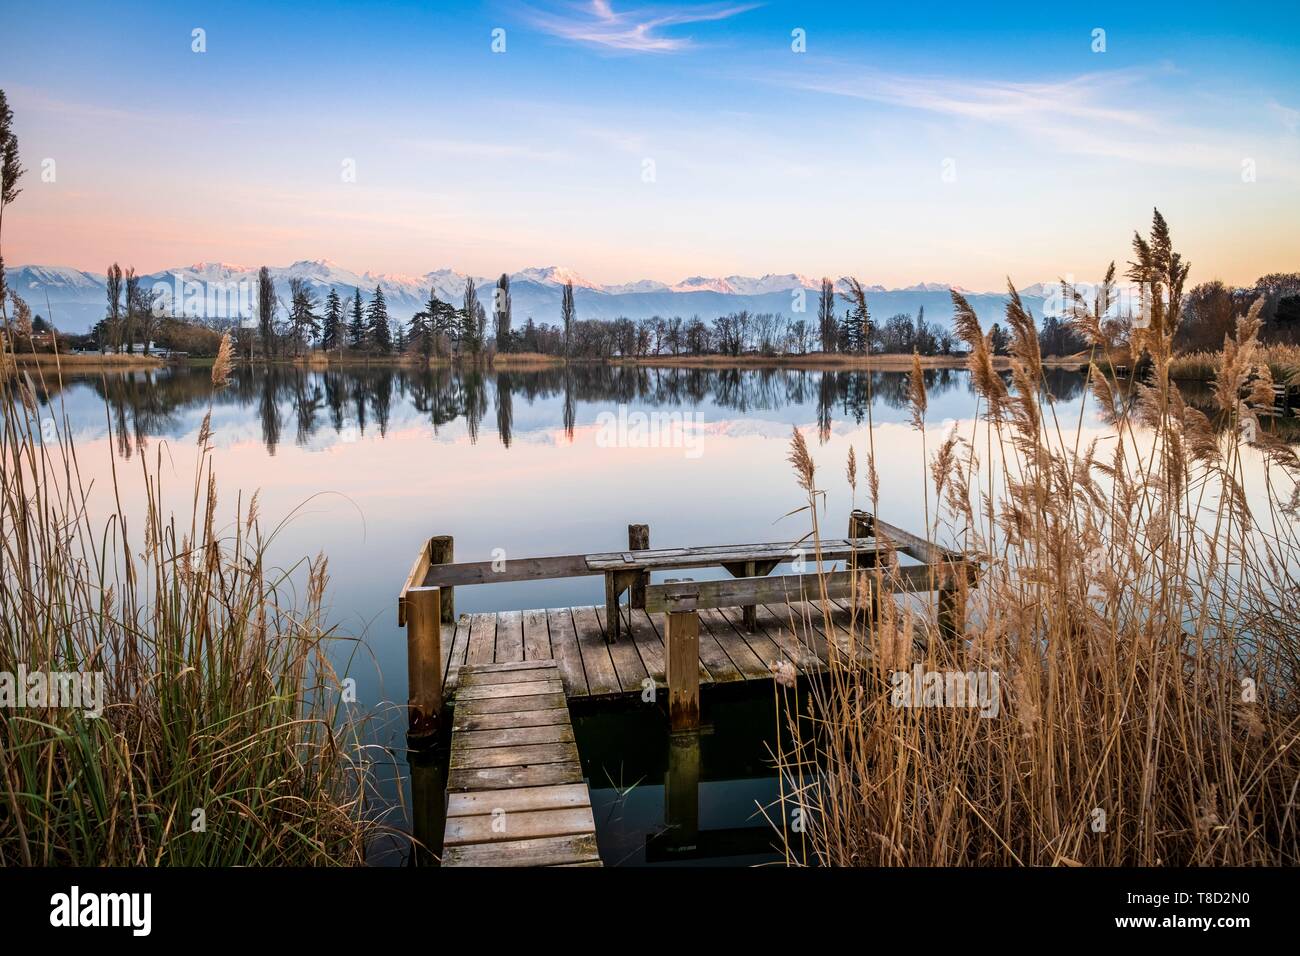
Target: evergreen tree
(357,327)
(332,332)
(999,339)
(302,312)
(855,331)
(381,334)
(425,325)
(469,320)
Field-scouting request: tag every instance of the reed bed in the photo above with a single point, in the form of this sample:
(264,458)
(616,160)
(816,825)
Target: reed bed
(224,738)
(1283,363)
(1135,602)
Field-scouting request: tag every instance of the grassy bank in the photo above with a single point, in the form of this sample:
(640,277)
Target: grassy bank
(85,363)
(1134,606)
(221,737)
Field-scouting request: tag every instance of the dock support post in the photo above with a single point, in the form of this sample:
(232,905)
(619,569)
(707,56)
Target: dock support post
(638,539)
(428,803)
(423,662)
(952,605)
(861,524)
(750,611)
(441,551)
(682,792)
(682,643)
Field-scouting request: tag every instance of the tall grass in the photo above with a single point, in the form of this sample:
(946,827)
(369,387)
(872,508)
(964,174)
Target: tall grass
(1136,603)
(224,739)
(1283,363)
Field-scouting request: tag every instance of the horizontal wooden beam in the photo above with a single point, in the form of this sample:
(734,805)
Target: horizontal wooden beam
(787,588)
(911,545)
(713,556)
(507,570)
(738,592)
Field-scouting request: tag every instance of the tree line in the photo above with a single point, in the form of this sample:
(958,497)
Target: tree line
(288,327)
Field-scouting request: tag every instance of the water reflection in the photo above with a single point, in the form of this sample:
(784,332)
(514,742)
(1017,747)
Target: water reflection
(358,401)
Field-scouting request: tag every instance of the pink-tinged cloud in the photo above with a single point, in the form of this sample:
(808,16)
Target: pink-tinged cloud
(640,30)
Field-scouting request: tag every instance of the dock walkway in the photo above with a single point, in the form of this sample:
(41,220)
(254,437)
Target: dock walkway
(515,793)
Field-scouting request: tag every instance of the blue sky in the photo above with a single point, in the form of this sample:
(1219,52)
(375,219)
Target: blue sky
(909,142)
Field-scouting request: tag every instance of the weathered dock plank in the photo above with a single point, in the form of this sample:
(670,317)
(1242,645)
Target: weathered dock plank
(515,793)
(546,851)
(456,657)
(526,798)
(513,736)
(750,664)
(626,658)
(482,639)
(602,679)
(537,638)
(564,644)
(510,637)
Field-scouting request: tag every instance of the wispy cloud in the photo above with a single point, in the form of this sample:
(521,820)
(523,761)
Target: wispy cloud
(1090,114)
(636,30)
(1009,102)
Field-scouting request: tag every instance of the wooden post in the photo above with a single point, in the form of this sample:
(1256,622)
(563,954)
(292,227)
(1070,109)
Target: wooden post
(441,551)
(750,611)
(428,803)
(862,524)
(613,617)
(423,662)
(638,539)
(682,792)
(952,608)
(682,644)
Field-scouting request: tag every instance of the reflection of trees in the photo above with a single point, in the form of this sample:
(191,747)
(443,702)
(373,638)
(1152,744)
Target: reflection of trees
(505,407)
(269,409)
(570,410)
(307,403)
(142,404)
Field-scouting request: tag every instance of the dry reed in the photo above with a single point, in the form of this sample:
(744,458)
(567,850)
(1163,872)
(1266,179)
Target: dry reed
(1135,603)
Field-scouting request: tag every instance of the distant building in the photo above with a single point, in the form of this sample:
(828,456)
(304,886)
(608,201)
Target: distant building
(138,348)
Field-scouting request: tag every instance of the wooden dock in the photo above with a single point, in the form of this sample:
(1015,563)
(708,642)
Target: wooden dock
(590,666)
(515,793)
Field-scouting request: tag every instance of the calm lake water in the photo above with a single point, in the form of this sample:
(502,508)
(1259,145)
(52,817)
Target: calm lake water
(368,463)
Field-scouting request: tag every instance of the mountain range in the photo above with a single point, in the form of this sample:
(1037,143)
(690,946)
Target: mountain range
(75,300)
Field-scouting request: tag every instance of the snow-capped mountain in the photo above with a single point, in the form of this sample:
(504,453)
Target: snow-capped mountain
(75,300)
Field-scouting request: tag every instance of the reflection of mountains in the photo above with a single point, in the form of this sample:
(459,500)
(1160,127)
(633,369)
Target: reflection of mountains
(356,401)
